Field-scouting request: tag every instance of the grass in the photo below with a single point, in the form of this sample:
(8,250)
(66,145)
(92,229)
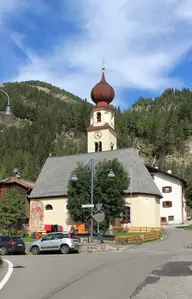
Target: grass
(188,228)
(189,246)
(29,239)
(120,234)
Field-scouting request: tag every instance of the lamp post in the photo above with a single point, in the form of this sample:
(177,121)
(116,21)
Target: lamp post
(8,108)
(92,170)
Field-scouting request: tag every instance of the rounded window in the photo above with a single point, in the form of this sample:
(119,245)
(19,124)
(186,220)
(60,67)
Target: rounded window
(49,207)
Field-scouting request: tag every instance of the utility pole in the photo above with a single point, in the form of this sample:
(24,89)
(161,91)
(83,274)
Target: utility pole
(92,199)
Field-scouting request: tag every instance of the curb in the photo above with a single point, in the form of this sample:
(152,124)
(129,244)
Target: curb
(7,275)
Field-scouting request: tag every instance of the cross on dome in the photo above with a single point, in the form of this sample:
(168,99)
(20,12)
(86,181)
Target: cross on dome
(102,93)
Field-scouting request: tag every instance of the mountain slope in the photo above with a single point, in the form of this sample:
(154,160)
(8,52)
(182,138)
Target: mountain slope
(53,121)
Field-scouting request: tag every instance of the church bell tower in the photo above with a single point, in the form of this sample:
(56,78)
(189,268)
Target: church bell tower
(101,131)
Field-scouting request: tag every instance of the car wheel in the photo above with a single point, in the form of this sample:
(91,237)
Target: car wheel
(65,249)
(3,250)
(35,250)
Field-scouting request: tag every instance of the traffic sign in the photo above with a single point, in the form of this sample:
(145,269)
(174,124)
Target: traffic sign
(88,206)
(99,217)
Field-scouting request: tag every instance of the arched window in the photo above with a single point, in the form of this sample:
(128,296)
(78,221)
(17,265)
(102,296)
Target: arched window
(49,207)
(100,146)
(96,147)
(98,117)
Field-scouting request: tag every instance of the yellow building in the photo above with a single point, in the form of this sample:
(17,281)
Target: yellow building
(49,196)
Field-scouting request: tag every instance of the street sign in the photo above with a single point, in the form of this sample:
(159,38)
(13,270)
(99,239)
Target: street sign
(88,206)
(99,217)
(99,206)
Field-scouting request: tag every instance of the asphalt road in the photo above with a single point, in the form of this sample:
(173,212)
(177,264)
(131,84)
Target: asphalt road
(151,271)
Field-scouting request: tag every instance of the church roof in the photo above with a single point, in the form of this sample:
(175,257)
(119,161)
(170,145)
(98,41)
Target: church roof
(55,174)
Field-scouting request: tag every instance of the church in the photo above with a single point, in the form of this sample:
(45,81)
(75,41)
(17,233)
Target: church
(48,199)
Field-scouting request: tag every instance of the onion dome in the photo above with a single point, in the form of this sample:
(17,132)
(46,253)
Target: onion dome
(102,93)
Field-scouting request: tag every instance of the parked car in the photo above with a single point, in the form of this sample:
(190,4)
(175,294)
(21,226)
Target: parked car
(10,244)
(65,242)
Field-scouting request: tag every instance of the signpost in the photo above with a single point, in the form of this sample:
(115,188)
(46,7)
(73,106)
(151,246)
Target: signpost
(98,216)
(87,206)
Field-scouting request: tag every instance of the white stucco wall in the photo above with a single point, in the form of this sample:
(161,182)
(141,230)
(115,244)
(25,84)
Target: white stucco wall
(107,117)
(176,197)
(107,138)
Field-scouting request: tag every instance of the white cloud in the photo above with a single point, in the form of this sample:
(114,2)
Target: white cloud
(140,41)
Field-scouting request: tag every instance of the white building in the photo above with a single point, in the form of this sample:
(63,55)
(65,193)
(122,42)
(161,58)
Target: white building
(172,205)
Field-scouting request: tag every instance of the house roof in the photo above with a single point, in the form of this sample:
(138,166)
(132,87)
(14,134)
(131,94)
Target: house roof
(54,176)
(156,170)
(19,181)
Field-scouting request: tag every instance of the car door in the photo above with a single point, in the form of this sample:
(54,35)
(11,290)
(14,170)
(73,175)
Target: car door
(45,243)
(56,241)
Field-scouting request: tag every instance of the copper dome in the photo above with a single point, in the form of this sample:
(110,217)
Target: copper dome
(102,93)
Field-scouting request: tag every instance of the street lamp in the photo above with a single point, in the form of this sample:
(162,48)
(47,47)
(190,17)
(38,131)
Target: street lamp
(74,178)
(8,110)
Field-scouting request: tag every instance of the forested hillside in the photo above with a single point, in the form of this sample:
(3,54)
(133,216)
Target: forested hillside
(56,122)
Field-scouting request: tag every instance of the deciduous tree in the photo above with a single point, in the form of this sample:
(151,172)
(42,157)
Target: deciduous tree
(108,191)
(12,209)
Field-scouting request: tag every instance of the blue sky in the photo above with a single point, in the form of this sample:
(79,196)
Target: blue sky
(146,44)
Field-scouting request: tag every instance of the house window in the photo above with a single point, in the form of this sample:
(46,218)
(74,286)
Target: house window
(96,147)
(167,204)
(98,117)
(127,215)
(167,189)
(100,146)
(49,207)
(163,219)
(170,218)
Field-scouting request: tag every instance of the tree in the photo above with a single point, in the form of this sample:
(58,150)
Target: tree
(108,191)
(12,209)
(188,193)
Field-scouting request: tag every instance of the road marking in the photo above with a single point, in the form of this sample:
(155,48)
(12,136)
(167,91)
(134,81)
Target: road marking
(7,275)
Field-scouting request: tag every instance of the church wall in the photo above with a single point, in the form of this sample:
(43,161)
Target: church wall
(39,216)
(145,210)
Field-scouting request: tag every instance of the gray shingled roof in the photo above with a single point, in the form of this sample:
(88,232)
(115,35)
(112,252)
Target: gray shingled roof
(56,172)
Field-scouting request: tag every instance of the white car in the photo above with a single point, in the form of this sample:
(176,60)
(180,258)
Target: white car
(65,242)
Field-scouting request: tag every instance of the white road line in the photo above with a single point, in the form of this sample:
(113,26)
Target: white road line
(7,275)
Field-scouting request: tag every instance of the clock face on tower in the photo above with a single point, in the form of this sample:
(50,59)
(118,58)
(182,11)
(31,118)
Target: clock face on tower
(97,135)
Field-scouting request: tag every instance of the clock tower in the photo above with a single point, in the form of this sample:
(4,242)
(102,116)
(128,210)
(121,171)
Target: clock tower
(101,131)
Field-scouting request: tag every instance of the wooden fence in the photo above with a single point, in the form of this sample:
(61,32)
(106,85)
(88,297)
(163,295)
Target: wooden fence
(138,238)
(144,229)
